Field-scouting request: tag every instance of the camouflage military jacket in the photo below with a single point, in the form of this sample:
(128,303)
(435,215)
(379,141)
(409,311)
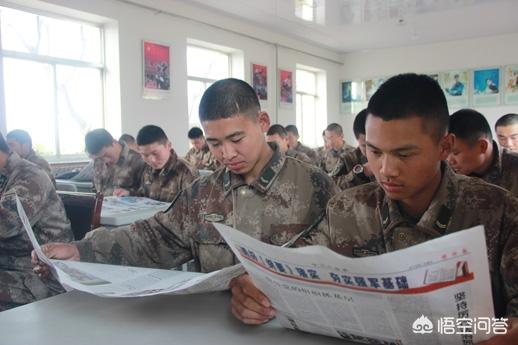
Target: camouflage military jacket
(40,161)
(164,184)
(333,160)
(363,221)
(346,178)
(126,173)
(503,171)
(203,159)
(45,212)
(306,150)
(287,198)
(300,156)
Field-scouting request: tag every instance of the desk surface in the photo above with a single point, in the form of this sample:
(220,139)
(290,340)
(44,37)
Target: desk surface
(81,319)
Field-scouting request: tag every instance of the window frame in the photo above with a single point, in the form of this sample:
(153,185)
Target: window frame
(53,62)
(316,98)
(205,81)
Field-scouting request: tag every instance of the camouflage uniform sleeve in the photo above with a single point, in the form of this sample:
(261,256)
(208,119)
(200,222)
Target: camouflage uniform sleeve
(325,190)
(33,193)
(509,263)
(349,180)
(138,167)
(162,241)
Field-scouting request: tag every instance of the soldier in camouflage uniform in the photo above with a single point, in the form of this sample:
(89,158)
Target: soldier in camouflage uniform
(506,128)
(475,153)
(166,174)
(295,145)
(199,156)
(279,135)
(259,191)
(117,168)
(21,142)
(18,283)
(360,172)
(417,197)
(334,162)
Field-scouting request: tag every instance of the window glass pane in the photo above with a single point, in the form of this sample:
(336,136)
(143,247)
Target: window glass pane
(195,90)
(29,100)
(309,120)
(79,106)
(306,81)
(299,112)
(206,63)
(30,33)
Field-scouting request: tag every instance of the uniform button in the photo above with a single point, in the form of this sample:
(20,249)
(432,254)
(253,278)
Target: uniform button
(402,236)
(242,192)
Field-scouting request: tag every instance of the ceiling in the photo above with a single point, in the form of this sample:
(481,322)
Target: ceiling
(358,25)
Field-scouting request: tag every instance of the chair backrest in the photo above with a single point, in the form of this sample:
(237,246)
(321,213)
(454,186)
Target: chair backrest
(83,210)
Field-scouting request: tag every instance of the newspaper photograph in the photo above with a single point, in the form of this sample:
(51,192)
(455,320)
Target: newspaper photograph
(437,292)
(124,281)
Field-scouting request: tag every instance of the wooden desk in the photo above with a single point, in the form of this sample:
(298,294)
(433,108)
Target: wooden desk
(81,319)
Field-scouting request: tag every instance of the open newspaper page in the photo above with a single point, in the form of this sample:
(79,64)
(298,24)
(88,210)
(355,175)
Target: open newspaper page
(437,292)
(124,281)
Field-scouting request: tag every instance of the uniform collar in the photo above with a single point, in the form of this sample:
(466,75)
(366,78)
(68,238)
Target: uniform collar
(493,173)
(13,160)
(30,155)
(124,153)
(171,164)
(436,218)
(268,175)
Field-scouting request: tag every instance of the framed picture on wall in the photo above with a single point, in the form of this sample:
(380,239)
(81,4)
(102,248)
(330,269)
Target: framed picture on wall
(511,84)
(486,86)
(286,87)
(352,96)
(455,85)
(156,70)
(371,85)
(260,81)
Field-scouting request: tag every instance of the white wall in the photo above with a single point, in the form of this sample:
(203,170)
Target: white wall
(465,54)
(135,24)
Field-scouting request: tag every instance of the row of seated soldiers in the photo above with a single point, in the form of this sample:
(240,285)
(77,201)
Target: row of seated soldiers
(278,196)
(417,197)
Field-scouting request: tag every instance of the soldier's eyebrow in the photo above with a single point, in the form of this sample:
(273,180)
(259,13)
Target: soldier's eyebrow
(408,147)
(230,136)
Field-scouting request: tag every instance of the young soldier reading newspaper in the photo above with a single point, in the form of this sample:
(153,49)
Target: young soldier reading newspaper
(417,197)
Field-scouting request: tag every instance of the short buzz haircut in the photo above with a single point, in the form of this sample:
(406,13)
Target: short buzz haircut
(277,129)
(3,144)
(96,139)
(195,133)
(412,95)
(336,128)
(359,123)
(469,126)
(507,120)
(151,134)
(20,136)
(127,138)
(292,129)
(227,98)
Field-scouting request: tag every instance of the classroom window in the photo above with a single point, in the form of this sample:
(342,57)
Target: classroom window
(53,80)
(204,67)
(305,10)
(306,106)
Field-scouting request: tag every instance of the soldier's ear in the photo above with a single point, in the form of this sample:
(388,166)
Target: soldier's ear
(264,121)
(446,145)
(484,145)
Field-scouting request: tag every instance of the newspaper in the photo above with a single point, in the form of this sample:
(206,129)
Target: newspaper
(401,297)
(124,281)
(122,210)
